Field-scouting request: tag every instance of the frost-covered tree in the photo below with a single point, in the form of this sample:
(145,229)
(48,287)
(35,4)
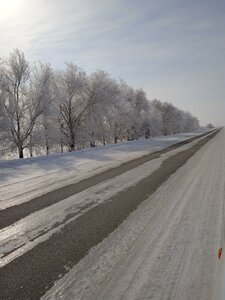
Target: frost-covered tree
(137,103)
(190,123)
(43,109)
(173,119)
(104,93)
(72,103)
(43,92)
(18,110)
(210,126)
(152,121)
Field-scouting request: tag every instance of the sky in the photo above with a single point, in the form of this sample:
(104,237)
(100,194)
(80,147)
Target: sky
(173,49)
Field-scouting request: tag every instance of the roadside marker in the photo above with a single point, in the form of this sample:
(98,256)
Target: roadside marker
(220,252)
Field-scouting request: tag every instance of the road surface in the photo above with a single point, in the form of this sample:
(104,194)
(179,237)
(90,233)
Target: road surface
(165,249)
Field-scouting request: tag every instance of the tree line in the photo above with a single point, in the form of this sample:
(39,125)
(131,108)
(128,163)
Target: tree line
(64,110)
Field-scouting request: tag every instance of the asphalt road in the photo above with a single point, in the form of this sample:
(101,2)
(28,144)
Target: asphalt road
(30,275)
(12,214)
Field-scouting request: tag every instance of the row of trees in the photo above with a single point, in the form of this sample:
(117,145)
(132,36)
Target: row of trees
(58,110)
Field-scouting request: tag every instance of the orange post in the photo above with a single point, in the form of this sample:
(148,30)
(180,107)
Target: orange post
(220,252)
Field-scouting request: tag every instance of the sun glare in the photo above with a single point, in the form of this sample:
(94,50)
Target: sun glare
(8,8)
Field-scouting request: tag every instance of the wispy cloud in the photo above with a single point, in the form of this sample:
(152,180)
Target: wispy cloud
(172,48)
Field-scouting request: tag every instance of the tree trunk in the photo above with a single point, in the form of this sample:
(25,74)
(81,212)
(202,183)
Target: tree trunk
(61,145)
(72,147)
(115,134)
(61,138)
(30,146)
(47,149)
(46,141)
(20,148)
(72,142)
(147,133)
(92,141)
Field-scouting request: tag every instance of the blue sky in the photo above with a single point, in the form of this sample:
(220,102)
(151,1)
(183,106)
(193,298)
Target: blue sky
(173,49)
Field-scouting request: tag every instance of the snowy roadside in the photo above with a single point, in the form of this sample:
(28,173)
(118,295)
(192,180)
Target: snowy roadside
(25,234)
(22,180)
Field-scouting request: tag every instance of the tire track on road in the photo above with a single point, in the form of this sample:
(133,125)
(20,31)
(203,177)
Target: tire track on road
(13,214)
(30,275)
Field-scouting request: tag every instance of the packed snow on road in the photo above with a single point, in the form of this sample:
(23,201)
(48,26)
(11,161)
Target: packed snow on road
(165,249)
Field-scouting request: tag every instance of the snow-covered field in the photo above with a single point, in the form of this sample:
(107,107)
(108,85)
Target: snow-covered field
(153,240)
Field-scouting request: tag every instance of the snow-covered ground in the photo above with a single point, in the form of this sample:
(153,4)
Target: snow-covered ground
(63,169)
(84,160)
(22,180)
(167,248)
(24,234)
(122,264)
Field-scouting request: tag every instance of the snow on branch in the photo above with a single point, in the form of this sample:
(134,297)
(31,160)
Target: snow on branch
(42,109)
